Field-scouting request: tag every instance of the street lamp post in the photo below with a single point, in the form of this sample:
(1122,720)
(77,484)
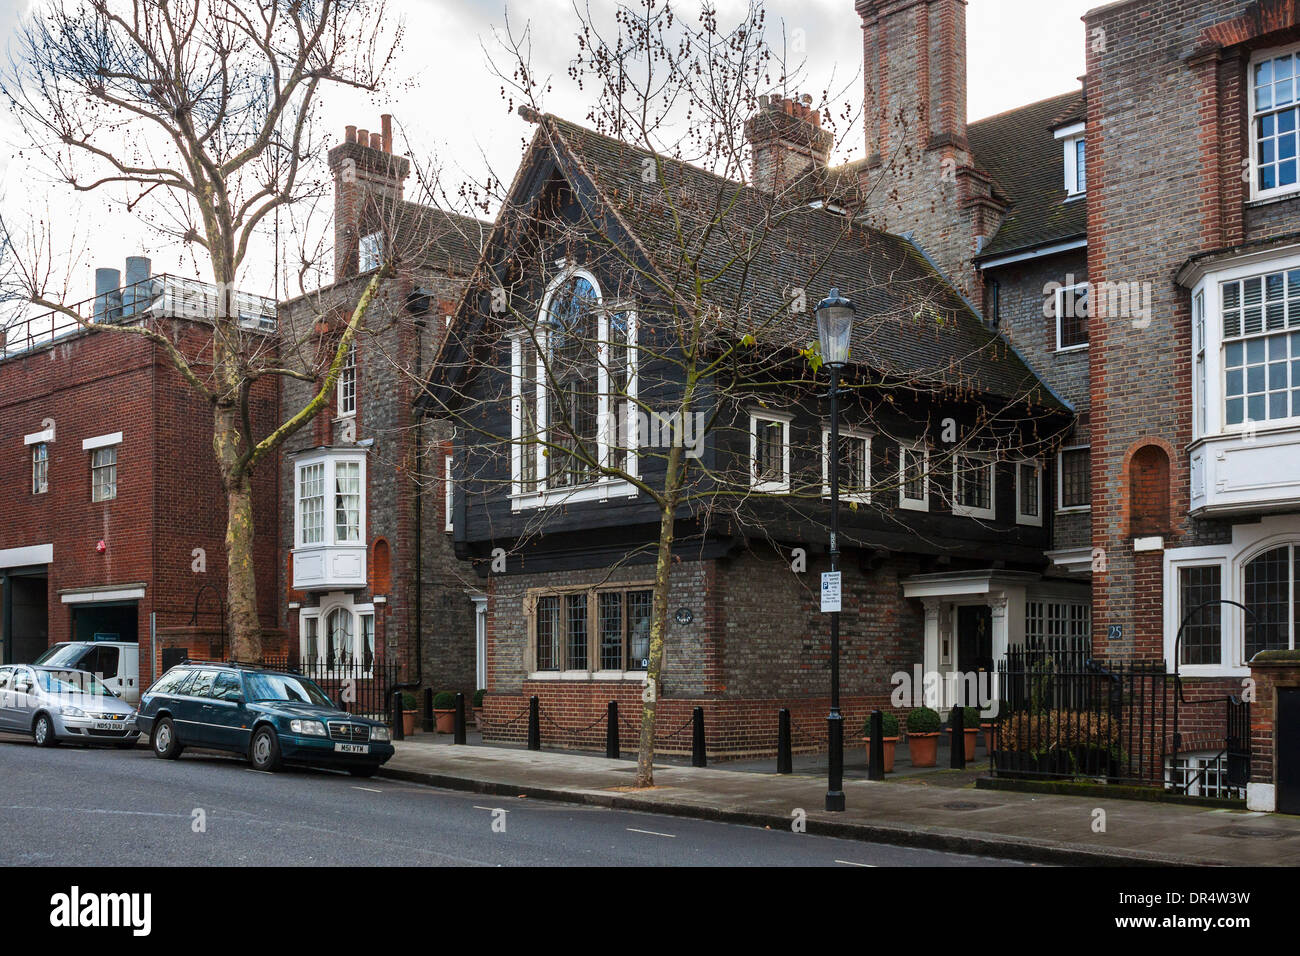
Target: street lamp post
(834,326)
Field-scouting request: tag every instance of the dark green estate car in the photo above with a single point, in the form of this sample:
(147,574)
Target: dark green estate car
(270,716)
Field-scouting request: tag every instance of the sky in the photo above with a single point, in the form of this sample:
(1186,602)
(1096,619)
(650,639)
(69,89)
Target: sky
(449,109)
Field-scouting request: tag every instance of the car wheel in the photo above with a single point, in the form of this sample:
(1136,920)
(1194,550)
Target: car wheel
(43,731)
(264,751)
(164,740)
(368,771)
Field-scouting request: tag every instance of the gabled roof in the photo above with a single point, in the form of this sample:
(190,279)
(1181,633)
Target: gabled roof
(912,328)
(1018,149)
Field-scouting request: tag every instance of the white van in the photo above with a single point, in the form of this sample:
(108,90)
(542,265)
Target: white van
(116,663)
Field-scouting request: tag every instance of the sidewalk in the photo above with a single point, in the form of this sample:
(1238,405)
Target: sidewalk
(921,811)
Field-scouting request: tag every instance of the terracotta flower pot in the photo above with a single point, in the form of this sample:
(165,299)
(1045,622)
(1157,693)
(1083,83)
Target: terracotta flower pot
(409,721)
(924,749)
(971,734)
(888,745)
(445,720)
(988,736)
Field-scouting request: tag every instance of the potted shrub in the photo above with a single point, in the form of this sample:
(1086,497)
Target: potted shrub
(410,711)
(923,725)
(970,724)
(888,736)
(478,707)
(444,711)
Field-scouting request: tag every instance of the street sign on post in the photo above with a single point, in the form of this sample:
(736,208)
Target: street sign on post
(830,591)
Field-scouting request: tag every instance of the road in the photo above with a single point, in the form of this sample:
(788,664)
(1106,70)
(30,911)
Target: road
(88,807)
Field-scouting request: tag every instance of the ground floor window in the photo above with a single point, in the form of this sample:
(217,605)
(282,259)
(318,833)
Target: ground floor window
(597,629)
(1272,581)
(338,636)
(1200,775)
(1063,627)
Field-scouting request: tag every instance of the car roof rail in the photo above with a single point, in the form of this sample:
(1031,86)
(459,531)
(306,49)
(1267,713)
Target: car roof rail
(252,665)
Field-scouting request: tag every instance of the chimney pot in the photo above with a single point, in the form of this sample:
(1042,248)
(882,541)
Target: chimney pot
(376,141)
(386,124)
(350,134)
(363,137)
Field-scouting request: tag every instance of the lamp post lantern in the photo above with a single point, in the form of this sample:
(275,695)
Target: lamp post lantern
(834,326)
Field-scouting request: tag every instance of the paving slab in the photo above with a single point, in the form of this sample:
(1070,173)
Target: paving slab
(911,812)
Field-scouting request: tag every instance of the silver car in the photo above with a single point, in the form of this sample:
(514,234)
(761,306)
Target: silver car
(57,704)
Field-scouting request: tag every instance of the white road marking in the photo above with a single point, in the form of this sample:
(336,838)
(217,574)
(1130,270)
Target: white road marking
(367,789)
(493,809)
(652,833)
(853,863)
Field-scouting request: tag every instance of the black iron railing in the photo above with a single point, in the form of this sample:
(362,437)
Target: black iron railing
(362,687)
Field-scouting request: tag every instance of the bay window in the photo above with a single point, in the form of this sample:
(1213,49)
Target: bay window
(329,520)
(573,396)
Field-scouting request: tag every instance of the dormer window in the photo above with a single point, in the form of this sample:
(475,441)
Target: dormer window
(1274,108)
(1076,159)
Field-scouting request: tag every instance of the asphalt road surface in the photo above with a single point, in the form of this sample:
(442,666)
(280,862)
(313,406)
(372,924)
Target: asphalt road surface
(90,807)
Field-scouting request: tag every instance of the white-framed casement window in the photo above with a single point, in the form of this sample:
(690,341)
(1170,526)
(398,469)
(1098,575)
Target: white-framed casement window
(448,492)
(914,477)
(346,389)
(1075,149)
(974,485)
(769,452)
(338,635)
(1261,349)
(1029,493)
(370,252)
(1071,309)
(1074,478)
(590,633)
(854,462)
(40,468)
(573,397)
(329,491)
(1274,107)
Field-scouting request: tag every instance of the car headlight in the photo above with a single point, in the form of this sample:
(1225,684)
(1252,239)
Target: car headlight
(380,733)
(73,712)
(308,728)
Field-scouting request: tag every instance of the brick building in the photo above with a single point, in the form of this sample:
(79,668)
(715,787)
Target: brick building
(112,500)
(368,567)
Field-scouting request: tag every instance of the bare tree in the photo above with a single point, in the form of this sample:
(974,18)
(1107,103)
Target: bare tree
(195,116)
(643,380)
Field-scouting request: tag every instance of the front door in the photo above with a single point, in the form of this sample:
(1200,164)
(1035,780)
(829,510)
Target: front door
(974,642)
(1287,741)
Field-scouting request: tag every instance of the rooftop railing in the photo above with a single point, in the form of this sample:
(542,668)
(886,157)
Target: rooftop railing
(158,297)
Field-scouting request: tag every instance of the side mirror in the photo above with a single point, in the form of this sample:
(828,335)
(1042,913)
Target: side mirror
(23,686)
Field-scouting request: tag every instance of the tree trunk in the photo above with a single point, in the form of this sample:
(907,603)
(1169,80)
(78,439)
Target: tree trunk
(659,622)
(242,622)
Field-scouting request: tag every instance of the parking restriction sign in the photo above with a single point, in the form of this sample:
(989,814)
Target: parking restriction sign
(830,591)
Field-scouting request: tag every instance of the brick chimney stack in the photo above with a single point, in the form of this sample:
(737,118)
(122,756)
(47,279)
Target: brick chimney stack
(366,173)
(788,141)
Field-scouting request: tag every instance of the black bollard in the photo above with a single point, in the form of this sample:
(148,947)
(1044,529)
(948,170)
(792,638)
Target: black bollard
(458,729)
(784,761)
(611,731)
(876,749)
(534,724)
(697,739)
(426,718)
(957,758)
(397,716)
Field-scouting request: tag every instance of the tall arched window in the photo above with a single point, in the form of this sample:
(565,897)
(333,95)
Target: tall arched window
(1148,491)
(573,385)
(338,637)
(1271,581)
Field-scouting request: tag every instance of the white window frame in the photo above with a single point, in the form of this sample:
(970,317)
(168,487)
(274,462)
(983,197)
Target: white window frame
(771,418)
(1060,481)
(603,487)
(40,468)
(1035,521)
(1070,137)
(448,492)
(1252,114)
(1058,304)
(1209,288)
(345,390)
(94,485)
(331,602)
(372,243)
(860,434)
(913,504)
(969,511)
(330,460)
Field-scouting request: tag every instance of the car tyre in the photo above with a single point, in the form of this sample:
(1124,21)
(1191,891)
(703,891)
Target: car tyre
(264,750)
(164,741)
(367,771)
(43,731)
